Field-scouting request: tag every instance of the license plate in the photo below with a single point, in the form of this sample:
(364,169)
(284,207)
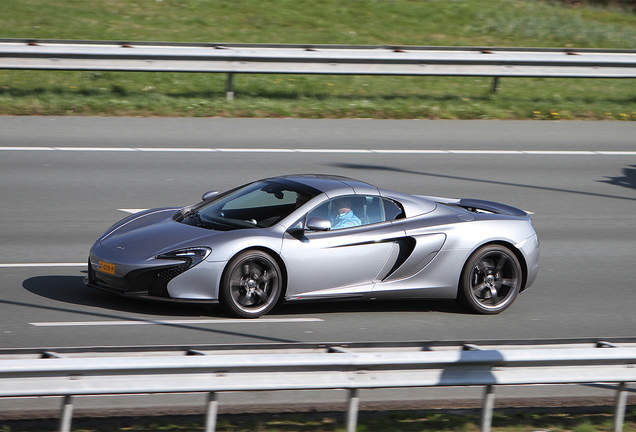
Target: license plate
(106,267)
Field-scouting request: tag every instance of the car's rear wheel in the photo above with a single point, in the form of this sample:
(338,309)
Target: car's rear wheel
(490,281)
(251,284)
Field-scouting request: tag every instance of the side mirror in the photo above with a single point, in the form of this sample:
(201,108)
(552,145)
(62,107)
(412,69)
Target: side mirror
(206,196)
(318,224)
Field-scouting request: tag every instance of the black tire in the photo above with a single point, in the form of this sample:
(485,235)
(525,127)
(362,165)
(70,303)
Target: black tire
(490,281)
(251,284)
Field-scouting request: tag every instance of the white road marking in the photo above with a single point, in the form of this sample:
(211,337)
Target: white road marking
(173,149)
(561,153)
(27,148)
(398,151)
(28,265)
(254,150)
(173,322)
(333,150)
(490,152)
(131,211)
(111,149)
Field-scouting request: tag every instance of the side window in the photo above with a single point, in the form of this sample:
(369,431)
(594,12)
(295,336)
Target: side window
(323,211)
(350,211)
(392,209)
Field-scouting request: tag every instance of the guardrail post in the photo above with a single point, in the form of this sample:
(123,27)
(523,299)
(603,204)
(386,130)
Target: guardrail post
(495,84)
(619,410)
(230,87)
(212,409)
(489,403)
(352,411)
(67,414)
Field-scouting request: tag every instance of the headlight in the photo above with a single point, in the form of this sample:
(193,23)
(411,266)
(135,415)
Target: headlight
(192,256)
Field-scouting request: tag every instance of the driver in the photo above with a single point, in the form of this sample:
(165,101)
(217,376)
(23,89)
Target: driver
(345,217)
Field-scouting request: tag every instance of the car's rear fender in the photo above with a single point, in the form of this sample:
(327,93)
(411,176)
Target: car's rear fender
(528,256)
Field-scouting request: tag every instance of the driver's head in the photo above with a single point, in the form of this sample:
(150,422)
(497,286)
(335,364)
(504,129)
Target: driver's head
(342,205)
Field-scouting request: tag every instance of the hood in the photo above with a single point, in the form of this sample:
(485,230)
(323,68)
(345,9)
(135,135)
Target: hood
(155,233)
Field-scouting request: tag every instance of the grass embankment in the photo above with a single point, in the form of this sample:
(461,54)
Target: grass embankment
(528,23)
(334,422)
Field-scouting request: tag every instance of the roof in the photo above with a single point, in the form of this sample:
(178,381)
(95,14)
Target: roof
(330,184)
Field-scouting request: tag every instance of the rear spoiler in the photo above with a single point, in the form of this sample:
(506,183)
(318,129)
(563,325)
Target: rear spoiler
(474,205)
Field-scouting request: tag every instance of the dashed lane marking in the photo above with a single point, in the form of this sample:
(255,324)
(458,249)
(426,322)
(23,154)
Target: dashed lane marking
(173,322)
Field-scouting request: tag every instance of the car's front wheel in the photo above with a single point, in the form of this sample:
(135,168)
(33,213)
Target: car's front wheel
(490,280)
(251,284)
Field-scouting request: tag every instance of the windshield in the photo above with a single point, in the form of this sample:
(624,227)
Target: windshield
(256,205)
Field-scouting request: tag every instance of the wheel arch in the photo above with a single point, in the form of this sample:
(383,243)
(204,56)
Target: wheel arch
(513,249)
(270,252)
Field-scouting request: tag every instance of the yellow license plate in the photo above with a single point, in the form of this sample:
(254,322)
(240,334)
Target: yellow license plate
(106,268)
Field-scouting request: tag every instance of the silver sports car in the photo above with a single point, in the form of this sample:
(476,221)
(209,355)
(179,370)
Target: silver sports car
(319,237)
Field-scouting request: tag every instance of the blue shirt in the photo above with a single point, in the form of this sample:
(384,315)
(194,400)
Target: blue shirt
(346,220)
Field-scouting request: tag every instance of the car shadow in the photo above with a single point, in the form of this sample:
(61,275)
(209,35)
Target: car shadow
(353,306)
(71,290)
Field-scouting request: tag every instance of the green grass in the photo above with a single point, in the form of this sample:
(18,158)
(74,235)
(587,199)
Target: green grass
(372,22)
(407,421)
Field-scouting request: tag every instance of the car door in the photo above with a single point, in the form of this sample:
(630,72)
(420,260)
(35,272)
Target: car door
(340,262)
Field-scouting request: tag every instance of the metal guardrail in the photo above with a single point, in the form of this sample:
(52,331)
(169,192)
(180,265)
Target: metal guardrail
(326,366)
(46,54)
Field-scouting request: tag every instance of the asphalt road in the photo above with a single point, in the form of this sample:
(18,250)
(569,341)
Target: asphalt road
(56,201)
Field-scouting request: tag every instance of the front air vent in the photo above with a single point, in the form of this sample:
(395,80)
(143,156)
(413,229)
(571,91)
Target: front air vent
(159,285)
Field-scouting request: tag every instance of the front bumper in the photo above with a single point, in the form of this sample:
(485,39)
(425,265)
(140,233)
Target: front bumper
(149,283)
